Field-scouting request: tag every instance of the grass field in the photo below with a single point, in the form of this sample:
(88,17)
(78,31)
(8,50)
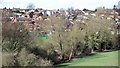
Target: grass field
(99,59)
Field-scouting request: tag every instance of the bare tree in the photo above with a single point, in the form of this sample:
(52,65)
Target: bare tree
(31,6)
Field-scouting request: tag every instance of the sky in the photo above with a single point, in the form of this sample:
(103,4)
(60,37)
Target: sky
(57,4)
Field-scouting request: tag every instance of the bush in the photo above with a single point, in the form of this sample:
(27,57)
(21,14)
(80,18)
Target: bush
(14,37)
(29,59)
(8,59)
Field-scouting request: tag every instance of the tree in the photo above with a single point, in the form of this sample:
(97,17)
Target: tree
(31,6)
(114,7)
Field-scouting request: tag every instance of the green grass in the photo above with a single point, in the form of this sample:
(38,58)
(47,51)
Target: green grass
(99,59)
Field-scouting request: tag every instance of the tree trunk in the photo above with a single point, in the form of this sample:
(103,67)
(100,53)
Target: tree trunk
(71,54)
(92,50)
(60,43)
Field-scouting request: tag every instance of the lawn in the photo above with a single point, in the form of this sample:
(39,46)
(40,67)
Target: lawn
(99,59)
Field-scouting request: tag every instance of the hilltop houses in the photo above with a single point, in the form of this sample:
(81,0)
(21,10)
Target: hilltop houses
(39,15)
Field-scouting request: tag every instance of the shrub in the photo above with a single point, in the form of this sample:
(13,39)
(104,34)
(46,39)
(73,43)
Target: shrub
(8,59)
(29,59)
(14,37)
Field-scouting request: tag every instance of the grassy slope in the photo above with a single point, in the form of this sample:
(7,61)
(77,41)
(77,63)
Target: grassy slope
(100,59)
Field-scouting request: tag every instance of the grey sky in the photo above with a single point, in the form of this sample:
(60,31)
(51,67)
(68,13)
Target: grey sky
(55,4)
